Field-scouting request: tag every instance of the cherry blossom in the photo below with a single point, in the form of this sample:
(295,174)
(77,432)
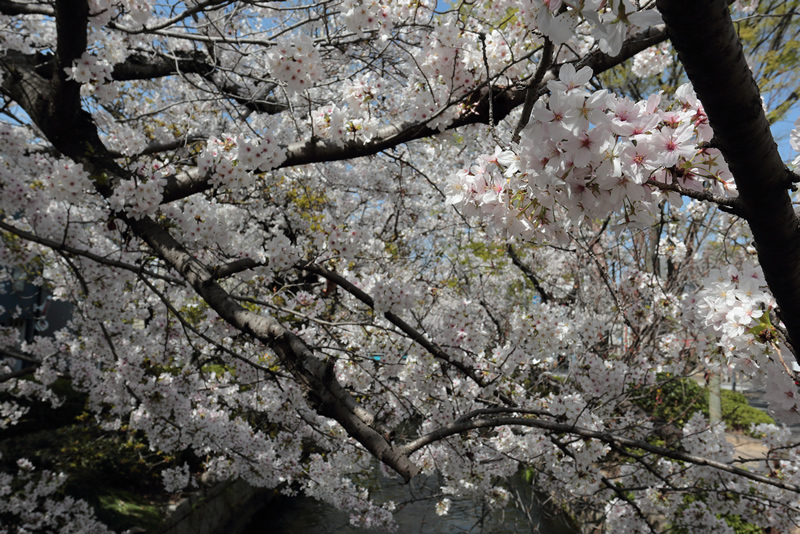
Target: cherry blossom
(652,61)
(305,243)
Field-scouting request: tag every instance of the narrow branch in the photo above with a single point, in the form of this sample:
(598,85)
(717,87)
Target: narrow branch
(187,326)
(141,67)
(407,329)
(622,495)
(501,409)
(601,62)
(605,437)
(11,353)
(608,484)
(706,196)
(191,11)
(531,93)
(234,267)
(253,100)
(158,147)
(16,374)
(55,245)
(529,274)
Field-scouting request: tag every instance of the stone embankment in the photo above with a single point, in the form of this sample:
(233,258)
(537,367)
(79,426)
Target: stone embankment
(227,507)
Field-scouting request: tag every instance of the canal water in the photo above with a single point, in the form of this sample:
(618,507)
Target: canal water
(415,513)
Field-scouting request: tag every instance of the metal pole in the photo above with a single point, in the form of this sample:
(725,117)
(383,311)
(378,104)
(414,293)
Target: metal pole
(714,402)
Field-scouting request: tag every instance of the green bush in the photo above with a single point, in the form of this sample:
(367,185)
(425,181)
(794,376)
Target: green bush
(737,524)
(738,414)
(675,400)
(114,471)
(740,526)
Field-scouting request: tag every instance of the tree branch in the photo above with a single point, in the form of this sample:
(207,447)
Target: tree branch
(725,203)
(710,50)
(7,7)
(56,245)
(406,328)
(531,92)
(140,67)
(18,373)
(546,297)
(605,437)
(321,389)
(159,147)
(236,266)
(504,101)
(11,353)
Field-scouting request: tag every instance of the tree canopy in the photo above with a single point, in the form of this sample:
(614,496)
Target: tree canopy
(456,238)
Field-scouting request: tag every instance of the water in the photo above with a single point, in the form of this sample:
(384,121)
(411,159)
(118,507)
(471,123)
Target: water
(415,513)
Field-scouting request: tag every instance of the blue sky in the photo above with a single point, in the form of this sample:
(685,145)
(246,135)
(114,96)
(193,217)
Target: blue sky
(781,129)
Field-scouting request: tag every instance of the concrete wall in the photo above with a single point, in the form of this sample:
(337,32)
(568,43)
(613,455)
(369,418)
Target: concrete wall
(225,508)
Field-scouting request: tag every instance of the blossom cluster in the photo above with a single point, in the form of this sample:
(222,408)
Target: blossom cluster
(652,61)
(10,414)
(745,6)
(362,16)
(343,241)
(673,249)
(733,307)
(130,12)
(31,502)
(141,196)
(363,90)
(296,62)
(393,296)
(585,155)
(732,300)
(558,20)
(231,160)
(333,122)
(94,75)
(88,69)
(125,140)
(176,478)
(68,182)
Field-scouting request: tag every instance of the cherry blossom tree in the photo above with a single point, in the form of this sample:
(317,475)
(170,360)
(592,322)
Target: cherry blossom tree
(306,239)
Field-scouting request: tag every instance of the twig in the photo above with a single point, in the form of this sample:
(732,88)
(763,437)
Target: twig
(531,94)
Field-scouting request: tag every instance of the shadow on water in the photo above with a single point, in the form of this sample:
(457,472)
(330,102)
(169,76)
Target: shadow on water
(415,513)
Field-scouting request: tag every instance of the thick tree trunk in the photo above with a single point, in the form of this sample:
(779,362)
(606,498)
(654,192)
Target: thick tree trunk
(709,48)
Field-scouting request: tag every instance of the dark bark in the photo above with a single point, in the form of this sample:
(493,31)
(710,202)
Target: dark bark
(710,51)
(140,67)
(143,67)
(252,100)
(529,274)
(7,7)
